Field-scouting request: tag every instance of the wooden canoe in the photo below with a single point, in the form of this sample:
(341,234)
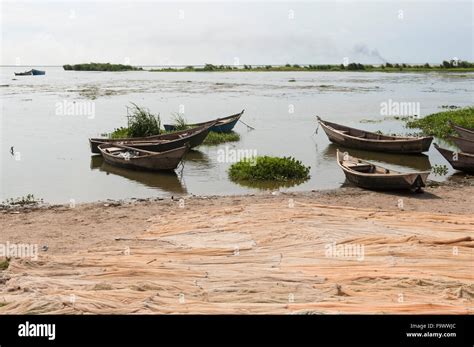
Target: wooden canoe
(133,158)
(459,161)
(222,125)
(370,176)
(465,145)
(465,133)
(365,140)
(159,143)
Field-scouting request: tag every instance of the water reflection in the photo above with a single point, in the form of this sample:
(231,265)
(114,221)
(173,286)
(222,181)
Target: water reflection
(166,181)
(198,158)
(418,162)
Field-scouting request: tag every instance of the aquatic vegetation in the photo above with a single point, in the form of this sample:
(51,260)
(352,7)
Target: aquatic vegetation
(436,124)
(180,122)
(266,168)
(141,122)
(22,201)
(214,138)
(439,170)
(119,133)
(3,266)
(101,67)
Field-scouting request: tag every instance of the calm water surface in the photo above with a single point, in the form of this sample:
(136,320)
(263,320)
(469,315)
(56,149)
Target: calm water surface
(54,160)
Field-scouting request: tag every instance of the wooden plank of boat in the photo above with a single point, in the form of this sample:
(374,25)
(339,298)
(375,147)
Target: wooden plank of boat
(365,140)
(370,176)
(465,133)
(459,160)
(135,158)
(222,125)
(465,145)
(159,143)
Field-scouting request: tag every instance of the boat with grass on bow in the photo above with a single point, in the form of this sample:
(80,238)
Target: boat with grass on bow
(158,143)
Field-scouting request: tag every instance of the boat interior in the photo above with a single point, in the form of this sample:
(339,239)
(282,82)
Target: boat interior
(365,168)
(124,153)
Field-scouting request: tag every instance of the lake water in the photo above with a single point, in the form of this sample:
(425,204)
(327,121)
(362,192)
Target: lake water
(53,159)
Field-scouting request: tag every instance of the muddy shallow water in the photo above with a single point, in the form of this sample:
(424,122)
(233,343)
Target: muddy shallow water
(52,159)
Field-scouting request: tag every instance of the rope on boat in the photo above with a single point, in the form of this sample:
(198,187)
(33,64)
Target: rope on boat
(317,128)
(248,126)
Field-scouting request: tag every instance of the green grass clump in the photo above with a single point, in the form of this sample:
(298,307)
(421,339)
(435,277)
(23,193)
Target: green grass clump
(436,124)
(439,170)
(180,122)
(143,123)
(101,67)
(4,264)
(265,168)
(214,138)
(119,133)
(23,200)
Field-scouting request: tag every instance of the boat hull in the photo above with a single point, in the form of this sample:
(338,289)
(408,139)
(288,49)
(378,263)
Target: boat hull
(465,133)
(158,143)
(405,182)
(375,177)
(164,161)
(386,144)
(222,125)
(26,73)
(464,144)
(460,161)
(38,72)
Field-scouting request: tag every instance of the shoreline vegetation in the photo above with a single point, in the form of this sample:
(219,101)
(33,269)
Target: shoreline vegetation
(445,66)
(437,124)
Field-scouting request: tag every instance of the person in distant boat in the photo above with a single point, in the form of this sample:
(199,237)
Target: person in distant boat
(12,150)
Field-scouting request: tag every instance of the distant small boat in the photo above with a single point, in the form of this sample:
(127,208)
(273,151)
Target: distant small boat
(465,133)
(459,160)
(134,158)
(370,176)
(26,73)
(465,145)
(361,139)
(38,72)
(223,125)
(158,143)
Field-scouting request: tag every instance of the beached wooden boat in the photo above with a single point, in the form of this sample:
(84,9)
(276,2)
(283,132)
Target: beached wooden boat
(159,143)
(222,125)
(38,72)
(465,133)
(25,73)
(465,145)
(459,160)
(134,158)
(370,176)
(361,139)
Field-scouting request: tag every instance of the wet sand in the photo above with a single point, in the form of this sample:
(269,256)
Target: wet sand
(343,251)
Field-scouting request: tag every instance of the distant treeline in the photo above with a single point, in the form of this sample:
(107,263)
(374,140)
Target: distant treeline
(453,65)
(101,67)
(446,65)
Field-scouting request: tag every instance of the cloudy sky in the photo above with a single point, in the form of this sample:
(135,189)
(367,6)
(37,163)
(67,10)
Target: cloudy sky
(225,32)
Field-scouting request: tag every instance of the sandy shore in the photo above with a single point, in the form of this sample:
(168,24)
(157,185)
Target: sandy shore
(344,251)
